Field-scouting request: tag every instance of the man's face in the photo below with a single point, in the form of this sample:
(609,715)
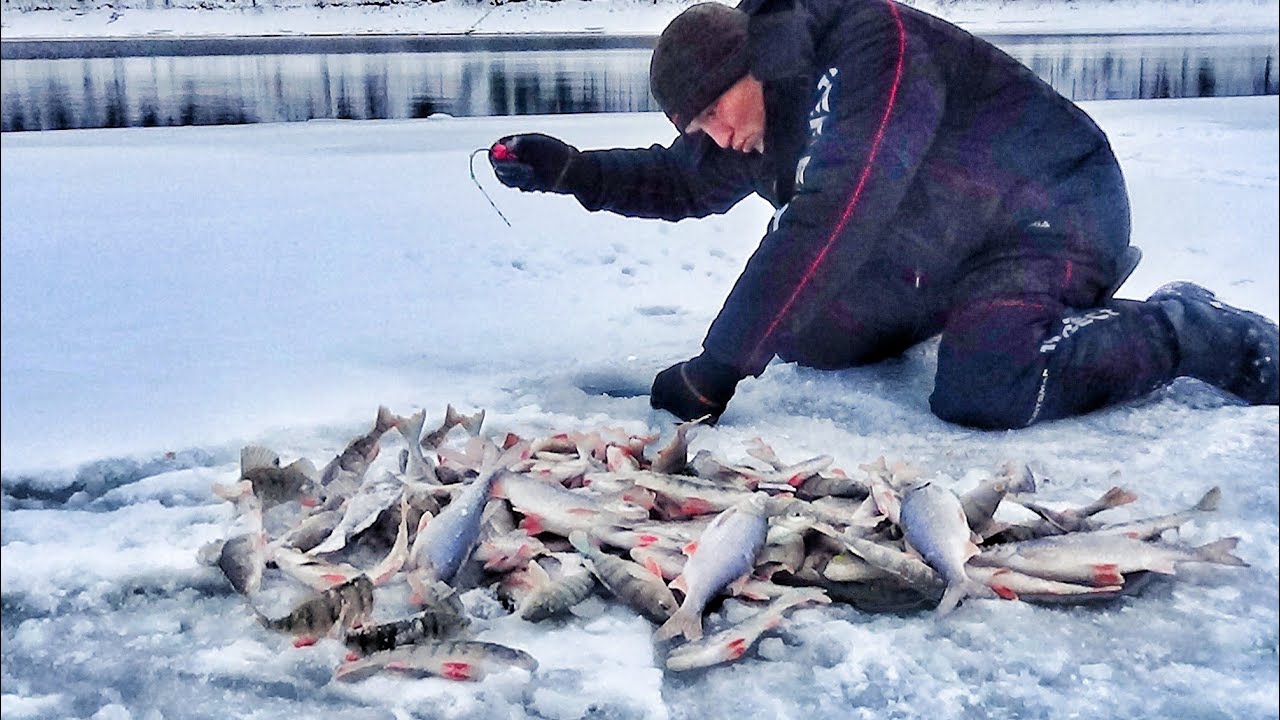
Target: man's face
(735,121)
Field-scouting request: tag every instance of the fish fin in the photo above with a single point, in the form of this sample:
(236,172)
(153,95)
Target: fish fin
(396,557)
(418,539)
(684,621)
(749,588)
(1004,591)
(256,456)
(356,670)
(1219,552)
(232,492)
(306,468)
(972,547)
(512,455)
(680,583)
(418,588)
(695,506)
(652,566)
(1109,574)
(538,575)
(578,539)
(1210,500)
(333,543)
(498,489)
(640,497)
(742,586)
(459,670)
(736,648)
(532,524)
(1115,497)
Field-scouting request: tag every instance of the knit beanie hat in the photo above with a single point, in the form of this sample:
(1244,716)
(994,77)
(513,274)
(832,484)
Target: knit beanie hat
(699,55)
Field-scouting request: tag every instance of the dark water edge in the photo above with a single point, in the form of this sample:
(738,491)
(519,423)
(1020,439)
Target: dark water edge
(209,81)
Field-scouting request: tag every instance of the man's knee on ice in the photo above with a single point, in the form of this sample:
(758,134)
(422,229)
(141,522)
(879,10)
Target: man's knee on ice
(976,399)
(990,371)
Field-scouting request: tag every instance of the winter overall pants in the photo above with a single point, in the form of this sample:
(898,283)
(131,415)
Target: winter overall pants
(1030,331)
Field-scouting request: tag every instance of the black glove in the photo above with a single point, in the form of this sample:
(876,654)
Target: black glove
(534,162)
(693,388)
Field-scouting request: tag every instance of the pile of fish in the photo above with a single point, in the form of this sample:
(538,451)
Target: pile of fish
(546,524)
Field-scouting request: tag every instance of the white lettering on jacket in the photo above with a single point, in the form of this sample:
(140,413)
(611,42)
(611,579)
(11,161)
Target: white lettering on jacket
(817,119)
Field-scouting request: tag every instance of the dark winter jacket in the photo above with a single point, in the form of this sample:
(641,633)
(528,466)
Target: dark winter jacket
(903,153)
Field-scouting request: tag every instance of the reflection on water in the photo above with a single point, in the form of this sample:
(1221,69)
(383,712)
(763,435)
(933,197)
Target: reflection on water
(233,89)
(124,92)
(1153,66)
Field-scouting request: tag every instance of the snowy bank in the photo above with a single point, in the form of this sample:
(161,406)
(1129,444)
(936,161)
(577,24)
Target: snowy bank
(143,18)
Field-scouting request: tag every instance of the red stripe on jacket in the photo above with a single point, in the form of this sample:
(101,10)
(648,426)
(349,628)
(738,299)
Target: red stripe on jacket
(890,102)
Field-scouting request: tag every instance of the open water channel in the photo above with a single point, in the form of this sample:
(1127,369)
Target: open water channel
(51,85)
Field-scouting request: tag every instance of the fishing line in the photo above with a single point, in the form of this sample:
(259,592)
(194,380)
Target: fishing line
(474,179)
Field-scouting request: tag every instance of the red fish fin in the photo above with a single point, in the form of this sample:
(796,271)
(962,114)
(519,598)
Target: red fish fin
(532,524)
(455,670)
(1004,591)
(1108,574)
(692,507)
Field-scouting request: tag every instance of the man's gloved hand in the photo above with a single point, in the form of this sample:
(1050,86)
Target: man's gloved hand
(693,388)
(533,162)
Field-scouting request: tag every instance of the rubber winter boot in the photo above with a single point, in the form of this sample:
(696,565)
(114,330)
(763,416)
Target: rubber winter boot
(1229,348)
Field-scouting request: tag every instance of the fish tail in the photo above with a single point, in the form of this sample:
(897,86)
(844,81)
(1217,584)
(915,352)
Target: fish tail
(1220,552)
(472,423)
(961,589)
(1210,500)
(385,420)
(411,427)
(1116,497)
(1024,481)
(279,624)
(686,621)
